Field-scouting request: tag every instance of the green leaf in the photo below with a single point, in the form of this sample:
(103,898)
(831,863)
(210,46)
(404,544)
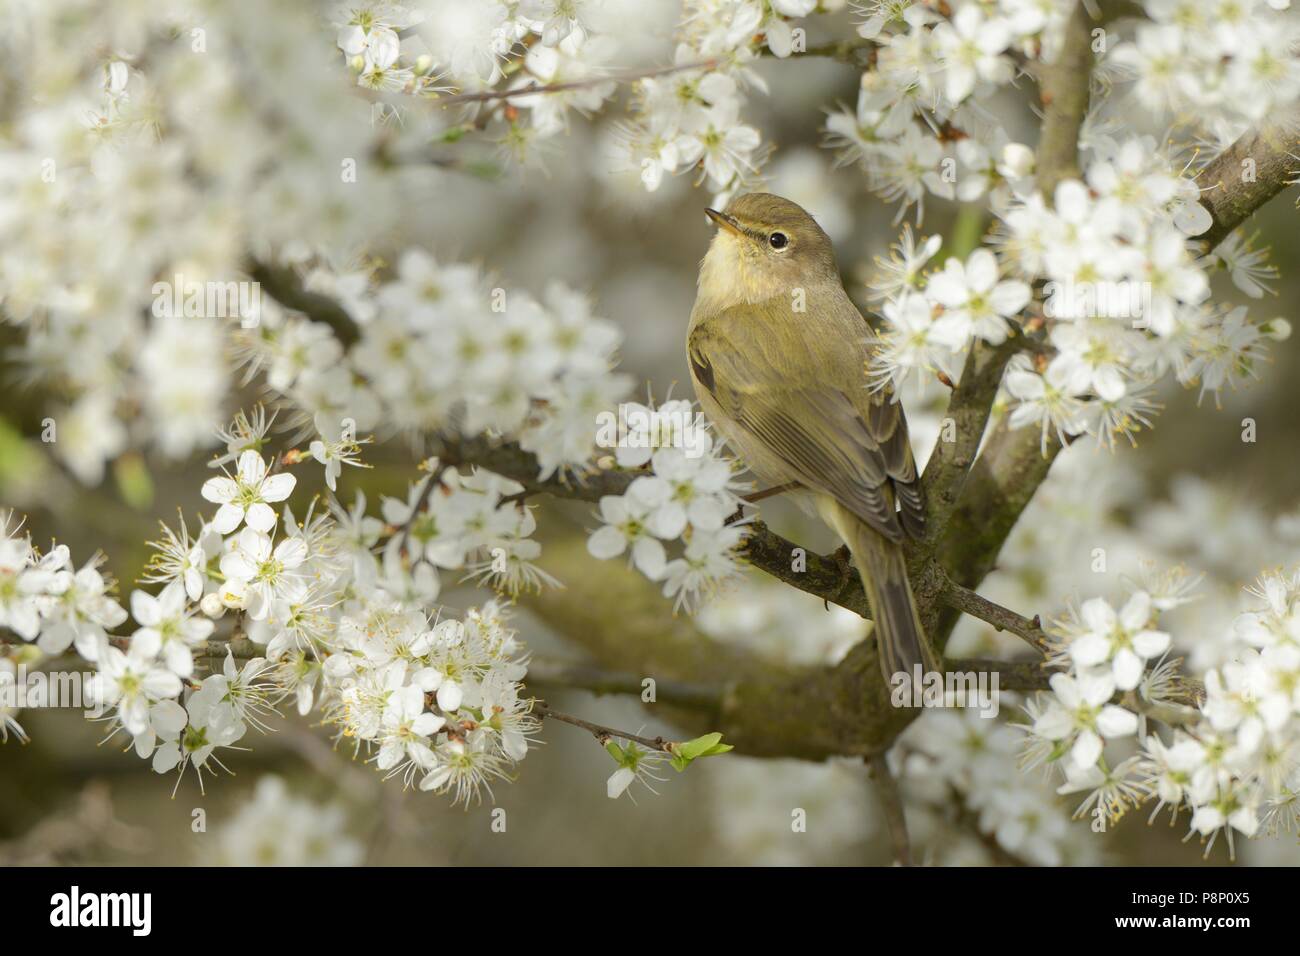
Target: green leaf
(133,481)
(694,748)
(19,462)
(707,746)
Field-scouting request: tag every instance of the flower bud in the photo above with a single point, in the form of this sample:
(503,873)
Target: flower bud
(1279,329)
(1017,161)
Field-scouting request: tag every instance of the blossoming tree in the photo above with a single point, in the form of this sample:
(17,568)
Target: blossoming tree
(156,155)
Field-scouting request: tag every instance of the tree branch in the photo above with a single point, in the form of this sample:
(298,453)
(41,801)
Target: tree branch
(1013,463)
(1012,675)
(829,578)
(431,480)
(543,711)
(892,805)
(967,416)
(283,285)
(967,601)
(1248,174)
(766,708)
(544,672)
(535,89)
(1065,91)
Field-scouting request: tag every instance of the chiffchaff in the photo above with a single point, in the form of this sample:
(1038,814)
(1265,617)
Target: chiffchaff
(778,356)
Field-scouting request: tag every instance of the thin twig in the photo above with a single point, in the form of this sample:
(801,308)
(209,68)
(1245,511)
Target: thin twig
(770,492)
(1012,675)
(967,601)
(543,711)
(1167,712)
(434,477)
(969,820)
(855,52)
(285,286)
(487,96)
(892,803)
(1231,196)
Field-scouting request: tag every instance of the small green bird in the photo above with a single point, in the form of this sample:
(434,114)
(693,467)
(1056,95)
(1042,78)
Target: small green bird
(778,356)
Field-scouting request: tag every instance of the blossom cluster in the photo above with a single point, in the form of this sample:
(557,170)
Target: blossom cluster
(687,117)
(688,491)
(956,752)
(1125,299)
(691,119)
(140,679)
(1196,538)
(278,827)
(425,50)
(1227,757)
(930,321)
(111,274)
(345,608)
(1126,296)
(1222,69)
(150,153)
(440,349)
(337,611)
(919,127)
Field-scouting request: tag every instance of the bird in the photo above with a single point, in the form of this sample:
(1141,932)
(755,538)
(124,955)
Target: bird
(778,354)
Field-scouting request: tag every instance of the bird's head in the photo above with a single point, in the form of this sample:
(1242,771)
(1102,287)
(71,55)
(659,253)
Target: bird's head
(765,246)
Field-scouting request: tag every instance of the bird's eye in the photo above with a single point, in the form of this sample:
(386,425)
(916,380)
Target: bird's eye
(778,240)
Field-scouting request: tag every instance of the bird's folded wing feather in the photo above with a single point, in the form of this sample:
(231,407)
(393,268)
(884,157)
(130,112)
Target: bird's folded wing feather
(825,426)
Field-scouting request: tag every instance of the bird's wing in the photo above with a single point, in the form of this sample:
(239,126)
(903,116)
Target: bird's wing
(823,424)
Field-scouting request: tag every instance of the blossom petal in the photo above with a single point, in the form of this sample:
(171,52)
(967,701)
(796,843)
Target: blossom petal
(227,518)
(251,468)
(1086,749)
(219,490)
(1128,669)
(278,487)
(161,684)
(450,696)
(607,542)
(1089,650)
(260,517)
(1151,643)
(1115,721)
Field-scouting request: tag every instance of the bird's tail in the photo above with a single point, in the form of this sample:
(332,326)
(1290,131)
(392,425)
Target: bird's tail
(879,561)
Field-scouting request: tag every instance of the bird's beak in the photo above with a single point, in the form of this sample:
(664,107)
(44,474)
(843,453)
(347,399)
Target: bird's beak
(725,221)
